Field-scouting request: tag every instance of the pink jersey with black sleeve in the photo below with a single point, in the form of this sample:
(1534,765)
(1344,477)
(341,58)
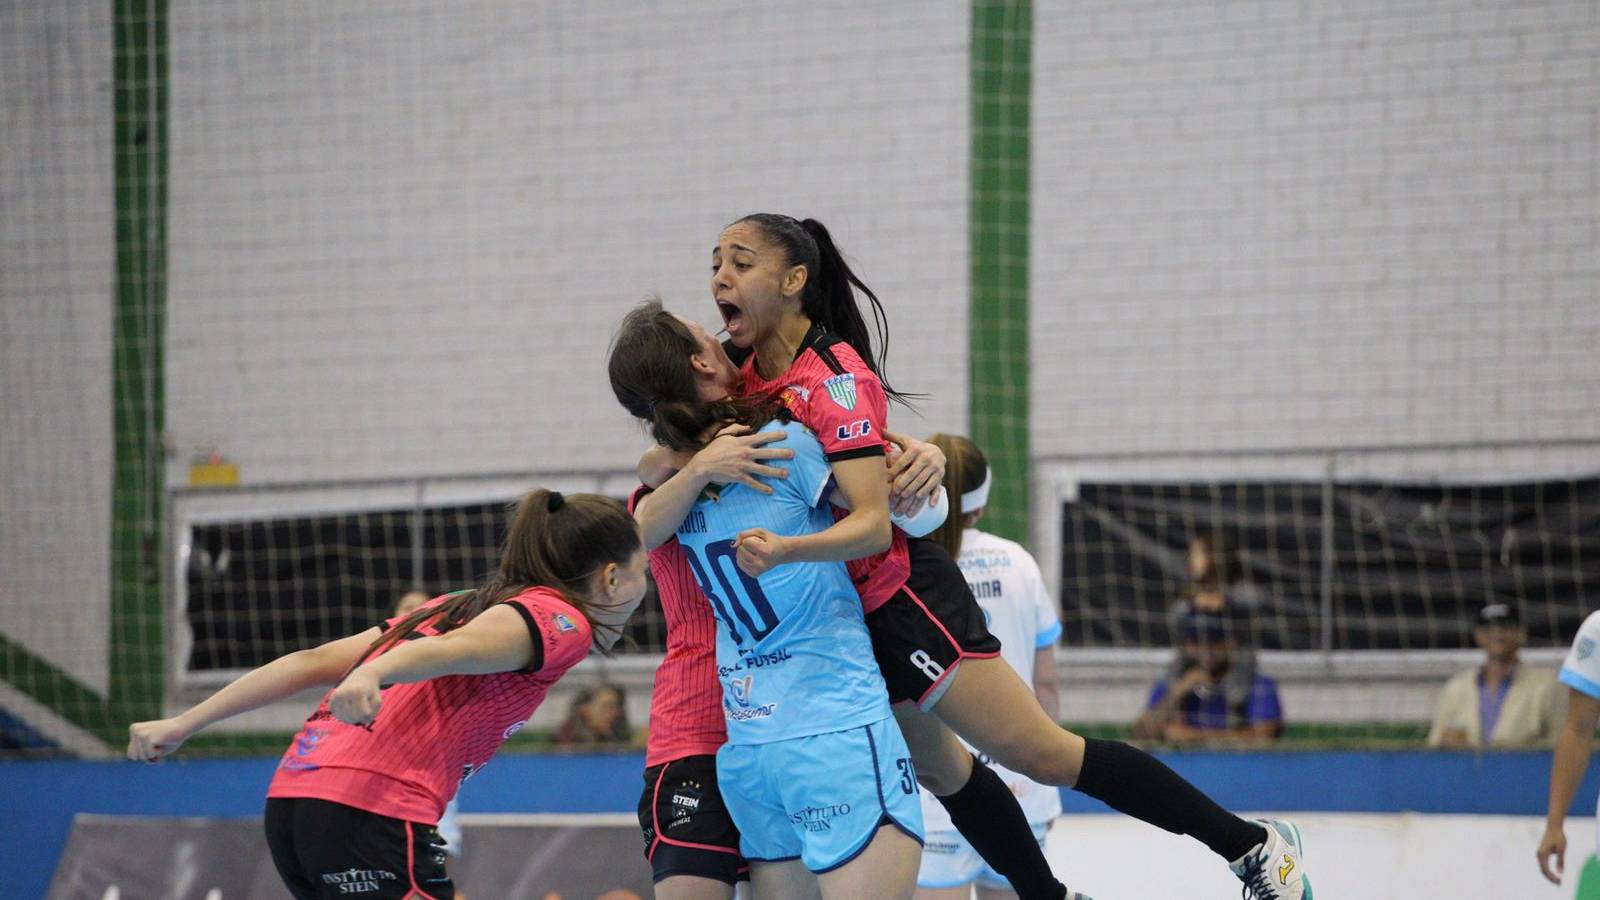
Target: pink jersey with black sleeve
(686,716)
(431,735)
(831,391)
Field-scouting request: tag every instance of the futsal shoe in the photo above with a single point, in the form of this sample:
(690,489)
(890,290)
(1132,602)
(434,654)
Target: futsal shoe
(1273,871)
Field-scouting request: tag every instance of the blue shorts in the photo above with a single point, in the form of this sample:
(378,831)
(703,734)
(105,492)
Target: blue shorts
(949,861)
(820,799)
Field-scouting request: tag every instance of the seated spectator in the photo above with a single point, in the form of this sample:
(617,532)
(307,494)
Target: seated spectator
(1501,703)
(1217,585)
(598,718)
(1218,697)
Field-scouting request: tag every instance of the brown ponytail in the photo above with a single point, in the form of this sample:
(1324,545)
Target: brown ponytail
(964,469)
(554,540)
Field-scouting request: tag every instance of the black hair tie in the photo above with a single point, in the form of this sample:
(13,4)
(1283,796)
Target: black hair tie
(555,501)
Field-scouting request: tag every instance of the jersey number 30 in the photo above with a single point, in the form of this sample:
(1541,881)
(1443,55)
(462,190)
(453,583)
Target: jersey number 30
(747,602)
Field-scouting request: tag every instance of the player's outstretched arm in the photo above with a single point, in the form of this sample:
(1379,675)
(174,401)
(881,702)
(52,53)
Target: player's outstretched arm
(496,640)
(1566,770)
(283,677)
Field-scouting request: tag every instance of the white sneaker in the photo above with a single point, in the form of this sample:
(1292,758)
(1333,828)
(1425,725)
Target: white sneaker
(1273,870)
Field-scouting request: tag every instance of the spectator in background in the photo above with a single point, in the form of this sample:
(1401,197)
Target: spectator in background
(598,718)
(1216,579)
(1218,697)
(1501,703)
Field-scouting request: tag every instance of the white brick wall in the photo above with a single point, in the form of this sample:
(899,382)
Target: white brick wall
(1272,225)
(56,275)
(401,238)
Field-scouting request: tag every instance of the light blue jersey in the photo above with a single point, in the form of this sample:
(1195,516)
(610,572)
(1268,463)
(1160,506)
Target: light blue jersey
(793,653)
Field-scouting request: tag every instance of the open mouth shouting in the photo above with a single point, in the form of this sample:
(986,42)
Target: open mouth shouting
(732,317)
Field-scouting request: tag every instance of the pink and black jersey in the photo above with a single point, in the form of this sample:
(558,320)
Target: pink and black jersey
(831,391)
(686,704)
(431,735)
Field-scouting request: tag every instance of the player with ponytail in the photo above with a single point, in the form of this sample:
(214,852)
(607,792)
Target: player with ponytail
(795,330)
(421,702)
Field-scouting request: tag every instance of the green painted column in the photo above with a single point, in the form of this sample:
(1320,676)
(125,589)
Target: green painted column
(1001,60)
(139,79)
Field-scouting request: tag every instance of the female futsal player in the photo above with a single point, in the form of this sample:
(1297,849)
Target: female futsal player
(690,839)
(815,771)
(1005,580)
(423,701)
(786,297)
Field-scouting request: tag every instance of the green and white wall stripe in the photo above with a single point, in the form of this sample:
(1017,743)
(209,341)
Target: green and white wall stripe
(998,225)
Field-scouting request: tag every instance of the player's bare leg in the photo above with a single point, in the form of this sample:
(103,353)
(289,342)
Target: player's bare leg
(787,880)
(693,887)
(887,869)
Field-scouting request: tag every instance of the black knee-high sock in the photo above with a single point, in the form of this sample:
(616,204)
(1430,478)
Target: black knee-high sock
(1132,781)
(987,815)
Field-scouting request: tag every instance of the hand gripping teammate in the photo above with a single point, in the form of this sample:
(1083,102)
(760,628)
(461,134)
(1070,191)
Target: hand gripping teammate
(423,701)
(786,297)
(815,772)
(1006,582)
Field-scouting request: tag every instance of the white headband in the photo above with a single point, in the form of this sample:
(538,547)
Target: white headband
(975,499)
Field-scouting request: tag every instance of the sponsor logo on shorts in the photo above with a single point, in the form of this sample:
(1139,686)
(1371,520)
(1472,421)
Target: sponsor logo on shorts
(359,881)
(1585,648)
(685,803)
(842,390)
(817,819)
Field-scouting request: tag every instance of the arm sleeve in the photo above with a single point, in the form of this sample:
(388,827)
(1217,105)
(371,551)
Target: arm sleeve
(849,412)
(1581,670)
(1156,694)
(1264,705)
(637,495)
(560,633)
(1046,623)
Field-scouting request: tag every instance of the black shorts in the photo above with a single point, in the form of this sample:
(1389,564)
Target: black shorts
(928,627)
(325,850)
(687,828)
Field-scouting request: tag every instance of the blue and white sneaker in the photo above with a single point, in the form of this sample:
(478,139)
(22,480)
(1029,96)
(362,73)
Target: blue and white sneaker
(1274,870)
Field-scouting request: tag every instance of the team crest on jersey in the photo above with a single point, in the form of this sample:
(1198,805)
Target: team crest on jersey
(1585,648)
(842,390)
(563,622)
